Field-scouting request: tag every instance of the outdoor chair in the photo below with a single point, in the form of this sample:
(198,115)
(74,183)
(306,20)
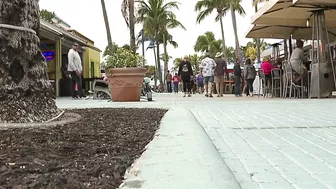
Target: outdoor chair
(228,88)
(100,86)
(296,90)
(276,82)
(262,83)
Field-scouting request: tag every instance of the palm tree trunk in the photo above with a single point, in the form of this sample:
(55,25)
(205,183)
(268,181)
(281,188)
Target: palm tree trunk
(258,39)
(158,62)
(131,25)
(234,24)
(165,56)
(107,26)
(156,72)
(223,36)
(26,94)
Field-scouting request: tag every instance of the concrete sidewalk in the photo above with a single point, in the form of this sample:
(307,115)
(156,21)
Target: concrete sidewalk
(181,156)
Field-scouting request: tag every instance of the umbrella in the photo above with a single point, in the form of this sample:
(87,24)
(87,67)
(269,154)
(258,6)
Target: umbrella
(278,16)
(281,32)
(328,3)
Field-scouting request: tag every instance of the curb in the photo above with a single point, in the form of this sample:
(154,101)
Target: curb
(181,156)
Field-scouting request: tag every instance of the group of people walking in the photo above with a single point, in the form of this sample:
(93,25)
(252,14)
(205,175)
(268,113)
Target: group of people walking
(211,71)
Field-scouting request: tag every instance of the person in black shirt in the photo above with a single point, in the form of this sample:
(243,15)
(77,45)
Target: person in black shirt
(185,72)
(237,73)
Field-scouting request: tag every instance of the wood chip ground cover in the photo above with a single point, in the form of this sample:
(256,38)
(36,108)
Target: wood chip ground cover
(92,153)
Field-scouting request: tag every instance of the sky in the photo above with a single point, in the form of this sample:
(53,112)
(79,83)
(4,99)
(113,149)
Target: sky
(86,17)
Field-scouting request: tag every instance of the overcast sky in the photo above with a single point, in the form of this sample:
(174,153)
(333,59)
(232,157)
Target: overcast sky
(86,17)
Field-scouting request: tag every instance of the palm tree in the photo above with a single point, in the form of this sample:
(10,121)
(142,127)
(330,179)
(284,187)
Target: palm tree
(164,39)
(127,10)
(177,62)
(251,48)
(195,61)
(208,43)
(206,7)
(235,6)
(164,57)
(231,54)
(107,26)
(157,17)
(25,91)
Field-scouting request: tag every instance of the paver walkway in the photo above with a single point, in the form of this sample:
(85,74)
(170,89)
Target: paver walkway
(267,143)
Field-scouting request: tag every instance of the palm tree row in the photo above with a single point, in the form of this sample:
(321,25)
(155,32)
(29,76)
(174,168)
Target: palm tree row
(206,7)
(157,17)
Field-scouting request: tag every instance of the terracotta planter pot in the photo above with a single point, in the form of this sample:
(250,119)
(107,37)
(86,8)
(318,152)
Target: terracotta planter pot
(125,83)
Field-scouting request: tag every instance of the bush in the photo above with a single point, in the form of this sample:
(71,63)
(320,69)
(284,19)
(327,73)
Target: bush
(122,58)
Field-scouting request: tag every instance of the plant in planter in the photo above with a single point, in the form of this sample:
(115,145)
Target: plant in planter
(124,76)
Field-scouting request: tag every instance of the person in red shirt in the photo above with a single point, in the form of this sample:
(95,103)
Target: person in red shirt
(176,81)
(267,67)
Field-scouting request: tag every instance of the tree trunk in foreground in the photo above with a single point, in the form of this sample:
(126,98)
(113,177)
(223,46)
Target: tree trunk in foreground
(25,92)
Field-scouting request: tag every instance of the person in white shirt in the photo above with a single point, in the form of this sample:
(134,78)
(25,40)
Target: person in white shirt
(297,61)
(208,66)
(75,68)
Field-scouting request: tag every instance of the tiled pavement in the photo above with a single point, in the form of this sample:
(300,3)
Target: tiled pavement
(280,144)
(267,144)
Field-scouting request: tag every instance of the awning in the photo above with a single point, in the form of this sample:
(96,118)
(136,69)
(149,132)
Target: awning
(284,16)
(329,3)
(284,32)
(285,13)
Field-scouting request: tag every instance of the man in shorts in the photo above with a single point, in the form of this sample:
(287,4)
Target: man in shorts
(219,74)
(208,66)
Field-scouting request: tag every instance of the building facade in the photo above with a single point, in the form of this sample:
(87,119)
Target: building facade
(57,39)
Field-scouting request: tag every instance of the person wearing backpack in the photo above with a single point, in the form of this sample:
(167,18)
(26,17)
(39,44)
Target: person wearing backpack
(249,75)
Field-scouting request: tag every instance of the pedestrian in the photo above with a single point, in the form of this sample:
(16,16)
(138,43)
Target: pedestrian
(169,82)
(208,67)
(176,81)
(185,72)
(220,70)
(75,68)
(237,74)
(200,83)
(249,75)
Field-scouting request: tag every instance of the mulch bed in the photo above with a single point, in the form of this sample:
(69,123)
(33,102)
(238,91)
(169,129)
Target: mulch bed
(92,153)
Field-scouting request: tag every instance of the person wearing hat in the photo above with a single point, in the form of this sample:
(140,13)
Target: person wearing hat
(219,73)
(185,72)
(207,67)
(75,68)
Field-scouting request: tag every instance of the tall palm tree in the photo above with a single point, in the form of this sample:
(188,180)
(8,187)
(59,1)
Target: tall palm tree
(235,6)
(206,7)
(107,26)
(208,43)
(25,91)
(127,10)
(165,39)
(157,17)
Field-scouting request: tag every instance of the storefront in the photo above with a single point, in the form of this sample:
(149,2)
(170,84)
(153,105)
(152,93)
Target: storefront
(55,45)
